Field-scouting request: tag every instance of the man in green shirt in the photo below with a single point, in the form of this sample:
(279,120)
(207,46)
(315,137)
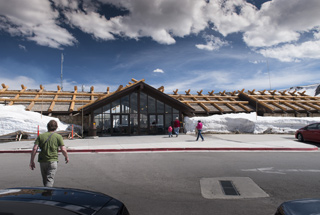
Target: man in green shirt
(49,143)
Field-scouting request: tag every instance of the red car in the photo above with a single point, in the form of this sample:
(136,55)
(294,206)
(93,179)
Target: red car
(309,133)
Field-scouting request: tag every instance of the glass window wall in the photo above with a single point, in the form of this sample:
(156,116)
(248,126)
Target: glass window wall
(153,116)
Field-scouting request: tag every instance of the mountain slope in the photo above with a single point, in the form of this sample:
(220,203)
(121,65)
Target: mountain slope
(311,90)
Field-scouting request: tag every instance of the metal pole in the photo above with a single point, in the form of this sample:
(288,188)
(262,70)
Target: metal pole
(269,73)
(61,71)
(82,115)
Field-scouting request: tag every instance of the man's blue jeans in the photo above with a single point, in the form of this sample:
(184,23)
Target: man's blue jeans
(176,131)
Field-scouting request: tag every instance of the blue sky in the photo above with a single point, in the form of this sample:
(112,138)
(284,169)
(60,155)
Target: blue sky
(181,44)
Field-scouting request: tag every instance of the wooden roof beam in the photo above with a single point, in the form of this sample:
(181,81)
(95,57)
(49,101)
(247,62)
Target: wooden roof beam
(119,88)
(264,104)
(200,103)
(161,89)
(214,105)
(185,103)
(262,92)
(217,107)
(200,93)
(302,106)
(252,92)
(302,94)
(312,105)
(244,107)
(231,107)
(272,92)
(290,101)
(233,93)
(211,93)
(136,81)
(283,92)
(36,98)
(241,91)
(175,92)
(4,88)
(240,105)
(223,93)
(204,107)
(293,93)
(187,92)
(73,99)
(291,106)
(92,91)
(54,100)
(45,100)
(279,106)
(217,102)
(18,95)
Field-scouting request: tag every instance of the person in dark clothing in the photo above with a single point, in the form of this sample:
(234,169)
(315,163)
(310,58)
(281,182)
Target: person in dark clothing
(176,126)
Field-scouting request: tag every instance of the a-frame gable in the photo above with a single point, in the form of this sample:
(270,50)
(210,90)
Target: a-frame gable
(142,87)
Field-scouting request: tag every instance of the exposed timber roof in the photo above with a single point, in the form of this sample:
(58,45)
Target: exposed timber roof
(66,102)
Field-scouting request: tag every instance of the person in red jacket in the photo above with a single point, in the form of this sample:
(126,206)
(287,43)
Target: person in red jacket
(199,128)
(176,126)
(170,131)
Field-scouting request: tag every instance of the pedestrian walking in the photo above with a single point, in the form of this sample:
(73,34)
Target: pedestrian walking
(170,131)
(199,128)
(176,126)
(49,143)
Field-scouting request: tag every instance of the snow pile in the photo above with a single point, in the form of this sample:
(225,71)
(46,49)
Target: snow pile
(248,123)
(16,118)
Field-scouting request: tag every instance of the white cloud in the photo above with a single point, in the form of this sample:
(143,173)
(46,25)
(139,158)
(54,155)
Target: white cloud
(212,43)
(92,23)
(36,21)
(158,71)
(292,52)
(276,23)
(22,47)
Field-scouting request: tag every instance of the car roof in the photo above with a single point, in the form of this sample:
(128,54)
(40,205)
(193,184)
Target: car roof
(72,200)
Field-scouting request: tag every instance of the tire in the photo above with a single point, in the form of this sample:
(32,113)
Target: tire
(300,137)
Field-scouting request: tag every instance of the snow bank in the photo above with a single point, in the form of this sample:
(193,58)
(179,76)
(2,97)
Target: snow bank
(248,123)
(14,118)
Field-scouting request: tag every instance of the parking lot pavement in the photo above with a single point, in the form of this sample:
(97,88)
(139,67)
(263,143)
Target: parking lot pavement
(184,142)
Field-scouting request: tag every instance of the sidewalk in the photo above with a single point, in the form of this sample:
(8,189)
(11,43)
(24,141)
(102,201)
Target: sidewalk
(185,142)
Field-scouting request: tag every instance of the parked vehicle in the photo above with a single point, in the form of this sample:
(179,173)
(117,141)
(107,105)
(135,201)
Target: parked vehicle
(309,133)
(299,207)
(62,201)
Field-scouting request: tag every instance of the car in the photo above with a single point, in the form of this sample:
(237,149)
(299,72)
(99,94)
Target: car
(299,207)
(309,133)
(62,201)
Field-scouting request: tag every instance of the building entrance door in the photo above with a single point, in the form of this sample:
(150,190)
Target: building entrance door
(156,124)
(120,124)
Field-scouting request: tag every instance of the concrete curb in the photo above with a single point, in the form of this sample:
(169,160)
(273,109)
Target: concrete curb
(169,150)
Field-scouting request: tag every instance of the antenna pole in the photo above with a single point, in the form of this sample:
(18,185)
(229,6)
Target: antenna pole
(269,73)
(61,71)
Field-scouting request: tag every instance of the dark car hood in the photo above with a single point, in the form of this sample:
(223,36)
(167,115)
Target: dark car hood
(301,206)
(85,202)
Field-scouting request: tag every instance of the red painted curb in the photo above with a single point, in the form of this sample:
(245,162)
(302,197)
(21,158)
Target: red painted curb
(171,149)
